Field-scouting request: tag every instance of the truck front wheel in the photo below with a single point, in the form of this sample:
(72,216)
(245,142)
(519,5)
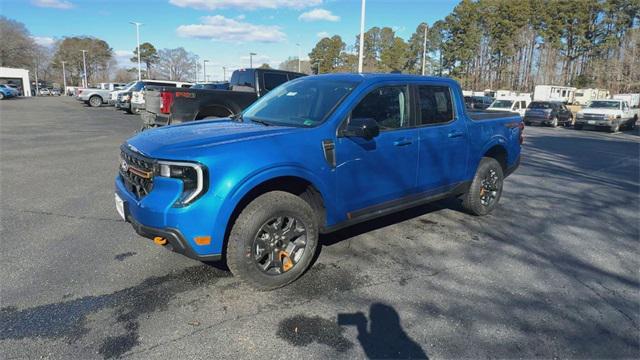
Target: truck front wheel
(273,240)
(95,101)
(486,188)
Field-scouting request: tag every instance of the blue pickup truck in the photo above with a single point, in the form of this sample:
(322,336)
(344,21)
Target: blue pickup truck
(312,156)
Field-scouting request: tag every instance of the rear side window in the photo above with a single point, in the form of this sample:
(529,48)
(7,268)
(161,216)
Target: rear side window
(245,78)
(272,80)
(388,106)
(435,104)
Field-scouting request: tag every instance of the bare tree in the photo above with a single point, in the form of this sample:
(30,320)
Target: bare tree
(176,64)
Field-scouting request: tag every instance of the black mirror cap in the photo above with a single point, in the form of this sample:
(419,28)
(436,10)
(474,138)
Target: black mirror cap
(366,128)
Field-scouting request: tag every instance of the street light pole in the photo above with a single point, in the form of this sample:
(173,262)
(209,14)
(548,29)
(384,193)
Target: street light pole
(361,54)
(64,78)
(137,24)
(298,45)
(84,64)
(224,73)
(251,59)
(424,49)
(204,70)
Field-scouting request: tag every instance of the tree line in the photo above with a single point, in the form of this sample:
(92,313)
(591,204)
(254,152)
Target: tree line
(505,44)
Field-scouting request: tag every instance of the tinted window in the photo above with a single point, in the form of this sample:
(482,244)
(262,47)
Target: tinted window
(388,106)
(435,104)
(523,104)
(272,80)
(245,78)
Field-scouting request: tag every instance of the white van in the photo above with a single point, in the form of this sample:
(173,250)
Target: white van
(514,104)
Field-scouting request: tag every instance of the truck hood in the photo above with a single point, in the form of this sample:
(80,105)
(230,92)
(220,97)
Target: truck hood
(600,111)
(165,142)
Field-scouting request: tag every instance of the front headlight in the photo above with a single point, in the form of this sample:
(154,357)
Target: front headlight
(193,176)
(611,117)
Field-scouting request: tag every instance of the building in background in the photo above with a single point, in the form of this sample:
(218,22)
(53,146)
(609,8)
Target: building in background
(17,78)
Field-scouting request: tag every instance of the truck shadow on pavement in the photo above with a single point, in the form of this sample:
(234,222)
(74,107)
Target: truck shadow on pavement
(69,319)
(381,335)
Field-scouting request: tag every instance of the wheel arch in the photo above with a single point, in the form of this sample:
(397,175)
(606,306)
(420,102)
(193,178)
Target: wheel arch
(499,153)
(218,110)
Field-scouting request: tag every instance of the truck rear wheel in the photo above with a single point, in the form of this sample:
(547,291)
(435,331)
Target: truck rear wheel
(273,240)
(95,101)
(486,188)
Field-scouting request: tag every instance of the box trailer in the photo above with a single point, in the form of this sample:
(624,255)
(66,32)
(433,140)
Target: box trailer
(563,94)
(584,96)
(632,99)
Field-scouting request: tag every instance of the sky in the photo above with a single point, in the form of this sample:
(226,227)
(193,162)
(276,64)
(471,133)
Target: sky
(222,31)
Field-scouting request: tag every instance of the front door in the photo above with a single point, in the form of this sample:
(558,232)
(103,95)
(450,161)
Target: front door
(383,169)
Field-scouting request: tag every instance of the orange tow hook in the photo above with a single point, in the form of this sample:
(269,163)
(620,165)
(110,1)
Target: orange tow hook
(160,240)
(287,264)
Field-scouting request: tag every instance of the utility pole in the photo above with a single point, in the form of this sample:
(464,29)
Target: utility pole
(251,59)
(298,45)
(37,87)
(64,78)
(137,24)
(424,49)
(361,52)
(84,63)
(204,70)
(224,73)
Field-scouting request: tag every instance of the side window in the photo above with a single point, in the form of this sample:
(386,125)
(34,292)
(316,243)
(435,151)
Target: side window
(388,106)
(272,80)
(516,105)
(435,104)
(523,104)
(246,78)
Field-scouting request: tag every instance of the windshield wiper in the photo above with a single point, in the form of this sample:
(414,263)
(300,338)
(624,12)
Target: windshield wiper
(261,122)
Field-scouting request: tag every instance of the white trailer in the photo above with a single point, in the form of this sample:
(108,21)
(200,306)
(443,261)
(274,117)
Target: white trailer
(632,99)
(584,96)
(563,94)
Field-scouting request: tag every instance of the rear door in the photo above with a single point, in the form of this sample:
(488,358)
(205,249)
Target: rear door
(383,169)
(444,145)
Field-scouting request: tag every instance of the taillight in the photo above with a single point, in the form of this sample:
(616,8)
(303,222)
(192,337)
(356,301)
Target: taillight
(521,127)
(167,100)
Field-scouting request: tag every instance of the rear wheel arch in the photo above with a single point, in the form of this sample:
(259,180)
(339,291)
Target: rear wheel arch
(499,153)
(219,111)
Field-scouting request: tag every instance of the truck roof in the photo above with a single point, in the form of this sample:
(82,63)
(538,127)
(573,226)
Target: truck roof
(374,77)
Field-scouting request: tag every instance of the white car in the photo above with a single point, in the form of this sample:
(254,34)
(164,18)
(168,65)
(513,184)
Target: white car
(612,114)
(44,91)
(512,104)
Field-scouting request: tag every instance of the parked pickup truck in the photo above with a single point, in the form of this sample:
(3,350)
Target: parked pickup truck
(170,105)
(95,97)
(317,154)
(138,96)
(609,114)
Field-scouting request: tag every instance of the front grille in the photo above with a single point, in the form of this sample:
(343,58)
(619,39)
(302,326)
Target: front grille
(136,171)
(593,116)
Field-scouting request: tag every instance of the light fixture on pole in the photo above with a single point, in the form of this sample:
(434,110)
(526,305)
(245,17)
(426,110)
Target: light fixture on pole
(137,24)
(251,59)
(298,45)
(204,70)
(84,64)
(64,78)
(424,49)
(361,51)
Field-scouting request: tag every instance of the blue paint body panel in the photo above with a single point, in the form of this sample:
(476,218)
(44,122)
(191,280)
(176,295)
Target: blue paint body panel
(241,155)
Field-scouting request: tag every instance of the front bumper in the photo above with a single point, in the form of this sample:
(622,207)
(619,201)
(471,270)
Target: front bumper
(154,216)
(594,123)
(536,120)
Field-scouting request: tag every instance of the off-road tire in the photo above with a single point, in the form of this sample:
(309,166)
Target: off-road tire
(471,201)
(239,254)
(95,101)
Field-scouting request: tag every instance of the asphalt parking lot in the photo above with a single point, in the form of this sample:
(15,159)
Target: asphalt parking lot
(554,272)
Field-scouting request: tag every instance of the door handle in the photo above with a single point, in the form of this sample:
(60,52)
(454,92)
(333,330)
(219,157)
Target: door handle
(455,134)
(403,142)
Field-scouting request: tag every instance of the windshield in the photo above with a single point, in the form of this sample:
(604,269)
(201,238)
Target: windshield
(604,105)
(502,104)
(303,102)
(540,105)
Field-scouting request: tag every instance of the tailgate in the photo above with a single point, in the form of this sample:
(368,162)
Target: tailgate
(152,100)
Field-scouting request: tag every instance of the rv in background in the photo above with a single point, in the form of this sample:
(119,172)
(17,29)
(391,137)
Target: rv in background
(632,99)
(562,94)
(584,96)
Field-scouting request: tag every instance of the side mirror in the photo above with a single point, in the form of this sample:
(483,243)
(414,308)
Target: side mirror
(366,128)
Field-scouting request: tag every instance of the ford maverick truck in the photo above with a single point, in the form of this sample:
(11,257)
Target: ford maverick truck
(314,155)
